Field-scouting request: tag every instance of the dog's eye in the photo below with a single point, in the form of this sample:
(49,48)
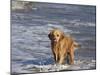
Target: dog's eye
(57,35)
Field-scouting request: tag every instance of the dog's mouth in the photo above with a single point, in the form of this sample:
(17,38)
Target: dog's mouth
(55,40)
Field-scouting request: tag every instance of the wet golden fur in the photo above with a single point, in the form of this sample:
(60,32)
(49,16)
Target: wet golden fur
(61,46)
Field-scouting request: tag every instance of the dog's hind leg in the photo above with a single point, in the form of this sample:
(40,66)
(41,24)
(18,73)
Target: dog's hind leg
(71,54)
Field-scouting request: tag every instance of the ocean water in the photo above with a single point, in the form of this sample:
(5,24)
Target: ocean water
(30,45)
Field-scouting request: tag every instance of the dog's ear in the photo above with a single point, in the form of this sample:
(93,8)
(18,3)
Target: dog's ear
(49,35)
(62,35)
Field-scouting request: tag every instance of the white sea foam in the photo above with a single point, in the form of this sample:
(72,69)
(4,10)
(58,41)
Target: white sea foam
(79,65)
(78,23)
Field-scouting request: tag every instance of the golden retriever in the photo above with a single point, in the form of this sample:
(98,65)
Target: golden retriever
(62,46)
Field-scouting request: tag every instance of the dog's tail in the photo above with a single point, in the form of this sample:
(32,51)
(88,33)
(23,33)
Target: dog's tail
(77,45)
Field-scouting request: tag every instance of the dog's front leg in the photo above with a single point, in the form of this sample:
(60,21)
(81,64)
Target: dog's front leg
(57,58)
(62,60)
(55,54)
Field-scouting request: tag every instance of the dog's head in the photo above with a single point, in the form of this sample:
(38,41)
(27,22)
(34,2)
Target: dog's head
(56,35)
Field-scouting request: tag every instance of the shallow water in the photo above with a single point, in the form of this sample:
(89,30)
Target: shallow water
(31,50)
